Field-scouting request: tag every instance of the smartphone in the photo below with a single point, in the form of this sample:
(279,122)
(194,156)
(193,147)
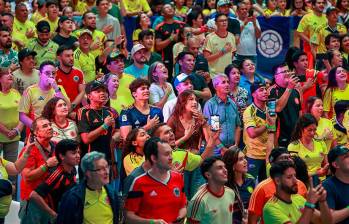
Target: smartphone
(302,78)
(271,107)
(250,13)
(215,123)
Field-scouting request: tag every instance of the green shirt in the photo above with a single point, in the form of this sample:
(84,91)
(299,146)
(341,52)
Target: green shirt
(44,53)
(277,211)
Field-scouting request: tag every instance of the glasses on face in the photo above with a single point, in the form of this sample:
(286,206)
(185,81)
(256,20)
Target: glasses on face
(50,74)
(99,170)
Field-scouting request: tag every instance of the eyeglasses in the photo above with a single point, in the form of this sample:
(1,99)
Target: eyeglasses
(99,170)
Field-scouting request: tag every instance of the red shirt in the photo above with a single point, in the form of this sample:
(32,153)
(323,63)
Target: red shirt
(70,81)
(152,199)
(35,160)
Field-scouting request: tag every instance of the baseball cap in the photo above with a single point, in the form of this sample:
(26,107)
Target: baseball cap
(43,27)
(82,32)
(25,52)
(256,85)
(41,2)
(136,48)
(181,78)
(223,2)
(63,19)
(337,151)
(94,85)
(114,55)
(275,153)
(330,9)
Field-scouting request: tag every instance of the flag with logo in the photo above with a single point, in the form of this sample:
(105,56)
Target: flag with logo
(273,43)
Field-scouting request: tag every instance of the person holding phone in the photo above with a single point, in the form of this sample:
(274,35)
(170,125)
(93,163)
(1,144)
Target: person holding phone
(259,122)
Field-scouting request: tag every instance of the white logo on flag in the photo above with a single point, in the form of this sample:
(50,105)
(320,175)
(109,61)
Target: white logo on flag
(270,43)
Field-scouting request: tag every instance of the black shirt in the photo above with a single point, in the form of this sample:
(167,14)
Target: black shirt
(70,41)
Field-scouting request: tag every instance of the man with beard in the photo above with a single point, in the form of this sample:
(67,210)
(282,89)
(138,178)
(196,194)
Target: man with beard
(7,20)
(64,36)
(70,78)
(26,75)
(48,194)
(258,124)
(36,96)
(213,196)
(157,196)
(43,45)
(96,122)
(83,56)
(286,206)
(92,200)
(8,56)
(139,68)
(98,37)
(225,108)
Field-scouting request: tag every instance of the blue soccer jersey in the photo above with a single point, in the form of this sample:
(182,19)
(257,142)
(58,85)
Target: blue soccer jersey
(133,117)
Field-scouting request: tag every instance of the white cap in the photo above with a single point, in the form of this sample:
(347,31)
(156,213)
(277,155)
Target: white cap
(136,48)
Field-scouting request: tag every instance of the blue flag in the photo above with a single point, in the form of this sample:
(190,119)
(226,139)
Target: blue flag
(273,43)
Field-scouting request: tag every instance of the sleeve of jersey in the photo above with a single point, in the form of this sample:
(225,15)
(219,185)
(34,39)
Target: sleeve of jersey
(125,118)
(134,197)
(257,202)
(248,118)
(46,187)
(64,93)
(273,214)
(327,100)
(196,209)
(194,161)
(301,25)
(293,148)
(83,124)
(145,5)
(25,102)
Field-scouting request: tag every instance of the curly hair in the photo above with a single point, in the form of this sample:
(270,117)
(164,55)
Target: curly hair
(181,102)
(49,110)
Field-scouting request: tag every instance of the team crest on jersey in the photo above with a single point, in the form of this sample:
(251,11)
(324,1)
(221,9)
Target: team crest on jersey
(176,192)
(41,98)
(59,80)
(76,78)
(124,117)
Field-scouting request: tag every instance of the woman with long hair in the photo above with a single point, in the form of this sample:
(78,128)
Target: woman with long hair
(325,129)
(195,19)
(10,126)
(343,7)
(238,94)
(183,35)
(187,123)
(56,111)
(133,155)
(238,180)
(142,23)
(160,90)
(337,89)
(306,146)
(298,8)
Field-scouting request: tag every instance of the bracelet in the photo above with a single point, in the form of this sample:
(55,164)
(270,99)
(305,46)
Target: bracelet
(309,205)
(223,51)
(105,126)
(171,38)
(270,127)
(347,206)
(26,155)
(152,221)
(220,145)
(181,142)
(289,90)
(43,168)
(18,132)
(57,90)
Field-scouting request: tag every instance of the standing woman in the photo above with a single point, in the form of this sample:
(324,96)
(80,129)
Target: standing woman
(325,129)
(241,182)
(188,124)
(10,126)
(307,147)
(343,7)
(133,155)
(161,91)
(142,23)
(238,94)
(337,89)
(56,111)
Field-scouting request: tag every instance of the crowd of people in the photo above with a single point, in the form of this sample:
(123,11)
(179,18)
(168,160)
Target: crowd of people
(135,111)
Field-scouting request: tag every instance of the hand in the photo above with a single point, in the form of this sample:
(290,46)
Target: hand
(323,194)
(328,135)
(198,115)
(309,83)
(95,45)
(271,120)
(189,132)
(323,170)
(228,47)
(30,33)
(51,162)
(29,147)
(292,82)
(109,121)
(214,137)
(107,29)
(119,39)
(12,134)
(160,221)
(313,193)
(174,36)
(151,122)
(178,168)
(53,83)
(168,90)
(13,67)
